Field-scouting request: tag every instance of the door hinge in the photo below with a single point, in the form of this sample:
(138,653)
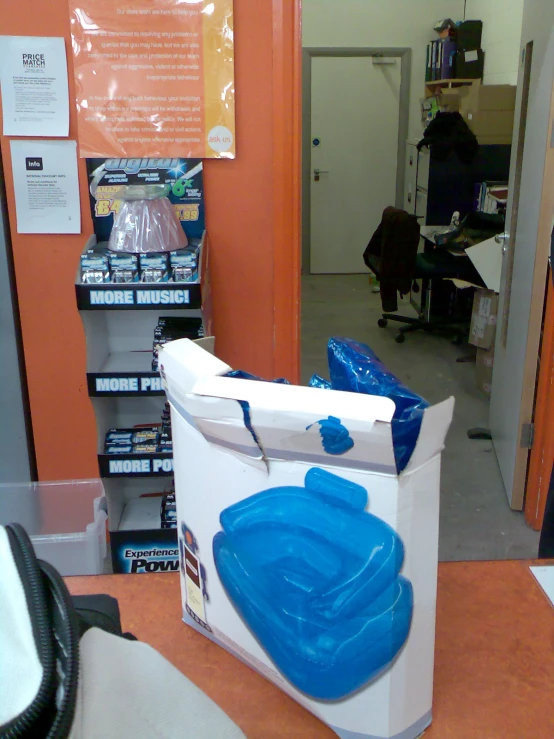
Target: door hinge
(527,435)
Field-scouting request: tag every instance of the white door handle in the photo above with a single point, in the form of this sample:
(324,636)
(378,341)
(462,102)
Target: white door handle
(317,172)
(503,239)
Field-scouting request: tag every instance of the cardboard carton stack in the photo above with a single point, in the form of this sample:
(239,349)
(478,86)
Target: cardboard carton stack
(487,109)
(482,335)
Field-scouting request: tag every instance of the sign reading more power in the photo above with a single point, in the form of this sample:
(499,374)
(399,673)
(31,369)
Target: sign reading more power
(141,466)
(118,385)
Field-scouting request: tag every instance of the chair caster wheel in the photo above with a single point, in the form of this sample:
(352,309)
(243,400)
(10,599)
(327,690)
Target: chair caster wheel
(382,323)
(400,338)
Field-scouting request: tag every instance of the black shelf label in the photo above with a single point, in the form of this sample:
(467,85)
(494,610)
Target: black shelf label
(141,296)
(136,465)
(124,384)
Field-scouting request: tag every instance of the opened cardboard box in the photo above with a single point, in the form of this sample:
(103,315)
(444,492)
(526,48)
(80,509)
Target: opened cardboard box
(303,552)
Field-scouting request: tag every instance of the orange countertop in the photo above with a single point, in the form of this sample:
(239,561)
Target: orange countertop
(494,658)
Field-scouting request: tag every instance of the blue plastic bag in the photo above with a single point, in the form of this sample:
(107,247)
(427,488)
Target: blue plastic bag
(320,382)
(355,368)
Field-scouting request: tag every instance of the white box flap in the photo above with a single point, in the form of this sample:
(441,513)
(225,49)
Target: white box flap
(265,421)
(434,427)
(307,424)
(487,260)
(297,399)
(184,362)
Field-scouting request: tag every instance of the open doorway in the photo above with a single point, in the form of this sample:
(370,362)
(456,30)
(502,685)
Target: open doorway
(478,493)
(355,114)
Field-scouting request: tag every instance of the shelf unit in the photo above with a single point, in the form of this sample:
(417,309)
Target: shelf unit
(432,87)
(119,322)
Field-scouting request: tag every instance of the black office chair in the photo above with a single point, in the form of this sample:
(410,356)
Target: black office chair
(429,268)
(392,256)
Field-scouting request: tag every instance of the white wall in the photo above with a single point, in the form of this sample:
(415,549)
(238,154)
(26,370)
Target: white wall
(501,37)
(405,23)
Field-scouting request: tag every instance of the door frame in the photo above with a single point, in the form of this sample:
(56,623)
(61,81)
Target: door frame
(531,419)
(308,53)
(286,178)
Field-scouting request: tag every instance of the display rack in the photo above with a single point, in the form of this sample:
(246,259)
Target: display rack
(119,322)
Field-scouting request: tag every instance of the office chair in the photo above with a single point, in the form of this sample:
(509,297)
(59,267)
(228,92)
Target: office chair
(392,256)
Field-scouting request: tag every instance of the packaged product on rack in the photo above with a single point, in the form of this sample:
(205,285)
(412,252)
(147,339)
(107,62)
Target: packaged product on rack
(124,267)
(146,221)
(95,265)
(114,182)
(154,267)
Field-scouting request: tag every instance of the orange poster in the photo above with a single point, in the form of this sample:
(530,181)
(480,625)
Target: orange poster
(154,78)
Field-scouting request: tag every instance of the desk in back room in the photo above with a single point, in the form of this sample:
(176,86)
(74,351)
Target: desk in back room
(494,655)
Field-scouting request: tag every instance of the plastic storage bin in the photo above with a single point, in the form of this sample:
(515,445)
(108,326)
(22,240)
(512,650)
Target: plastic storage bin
(65,520)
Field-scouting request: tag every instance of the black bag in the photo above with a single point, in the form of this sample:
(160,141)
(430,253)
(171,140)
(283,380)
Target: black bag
(66,673)
(58,621)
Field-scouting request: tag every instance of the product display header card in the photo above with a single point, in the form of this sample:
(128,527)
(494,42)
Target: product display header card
(184,177)
(154,78)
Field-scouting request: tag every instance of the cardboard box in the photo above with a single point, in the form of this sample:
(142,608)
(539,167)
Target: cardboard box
(483,369)
(494,140)
(498,124)
(487,109)
(277,533)
(483,319)
(489,97)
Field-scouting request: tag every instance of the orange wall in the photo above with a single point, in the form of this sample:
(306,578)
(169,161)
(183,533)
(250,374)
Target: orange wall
(244,227)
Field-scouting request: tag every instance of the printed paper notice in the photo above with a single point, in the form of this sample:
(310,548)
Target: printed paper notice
(35,98)
(46,186)
(154,79)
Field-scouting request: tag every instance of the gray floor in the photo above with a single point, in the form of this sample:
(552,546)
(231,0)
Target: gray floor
(476,521)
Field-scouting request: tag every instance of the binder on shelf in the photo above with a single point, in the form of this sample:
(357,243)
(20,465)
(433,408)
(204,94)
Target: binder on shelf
(433,59)
(448,48)
(437,65)
(428,64)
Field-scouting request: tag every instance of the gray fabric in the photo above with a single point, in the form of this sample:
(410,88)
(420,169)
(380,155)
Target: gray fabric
(129,691)
(20,668)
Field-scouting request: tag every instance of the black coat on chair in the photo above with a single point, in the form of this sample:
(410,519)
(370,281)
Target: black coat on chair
(391,254)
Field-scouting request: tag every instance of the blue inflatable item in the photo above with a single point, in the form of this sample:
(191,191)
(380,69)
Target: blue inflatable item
(320,382)
(335,437)
(354,367)
(316,580)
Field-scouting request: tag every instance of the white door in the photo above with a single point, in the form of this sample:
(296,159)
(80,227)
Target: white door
(525,260)
(354,122)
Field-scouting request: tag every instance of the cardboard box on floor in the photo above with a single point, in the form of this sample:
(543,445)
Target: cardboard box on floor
(271,515)
(483,369)
(482,329)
